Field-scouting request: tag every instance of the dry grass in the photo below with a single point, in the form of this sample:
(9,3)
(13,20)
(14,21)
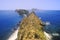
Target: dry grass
(31,28)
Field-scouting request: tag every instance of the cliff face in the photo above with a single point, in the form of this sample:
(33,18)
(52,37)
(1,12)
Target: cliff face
(31,28)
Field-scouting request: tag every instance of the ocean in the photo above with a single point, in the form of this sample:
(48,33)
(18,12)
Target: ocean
(9,20)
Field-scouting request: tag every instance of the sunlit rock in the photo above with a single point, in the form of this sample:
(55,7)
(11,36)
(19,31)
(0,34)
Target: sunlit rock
(31,28)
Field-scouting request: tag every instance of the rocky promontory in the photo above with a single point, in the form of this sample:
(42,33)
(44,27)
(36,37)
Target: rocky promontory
(31,28)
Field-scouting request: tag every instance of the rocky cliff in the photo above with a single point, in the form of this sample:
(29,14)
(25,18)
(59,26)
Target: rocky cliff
(31,28)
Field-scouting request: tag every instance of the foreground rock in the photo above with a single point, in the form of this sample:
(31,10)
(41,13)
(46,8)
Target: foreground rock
(31,28)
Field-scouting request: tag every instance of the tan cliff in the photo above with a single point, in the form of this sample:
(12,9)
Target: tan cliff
(31,28)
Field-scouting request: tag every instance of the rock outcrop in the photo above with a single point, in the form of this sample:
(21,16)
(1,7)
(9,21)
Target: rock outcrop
(22,12)
(31,28)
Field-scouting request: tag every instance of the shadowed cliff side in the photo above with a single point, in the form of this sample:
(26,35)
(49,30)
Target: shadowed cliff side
(22,12)
(31,28)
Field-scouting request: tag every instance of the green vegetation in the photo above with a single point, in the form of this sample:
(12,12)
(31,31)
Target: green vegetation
(31,28)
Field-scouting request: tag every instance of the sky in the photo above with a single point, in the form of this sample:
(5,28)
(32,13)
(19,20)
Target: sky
(29,4)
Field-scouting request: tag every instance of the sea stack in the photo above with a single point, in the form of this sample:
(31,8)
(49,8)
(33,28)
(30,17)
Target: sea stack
(31,28)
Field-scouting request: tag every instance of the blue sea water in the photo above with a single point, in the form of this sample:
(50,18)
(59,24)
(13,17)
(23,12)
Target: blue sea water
(10,18)
(52,16)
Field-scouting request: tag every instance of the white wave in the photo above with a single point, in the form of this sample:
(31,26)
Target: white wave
(48,36)
(55,34)
(25,15)
(14,35)
(47,23)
